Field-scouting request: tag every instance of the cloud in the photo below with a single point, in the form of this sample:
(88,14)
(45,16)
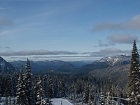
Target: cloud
(5,22)
(108,52)
(122,39)
(62,55)
(132,24)
(111,50)
(36,52)
(7,47)
(101,44)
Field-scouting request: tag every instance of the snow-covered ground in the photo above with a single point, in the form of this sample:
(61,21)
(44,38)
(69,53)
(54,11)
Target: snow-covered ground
(54,101)
(58,101)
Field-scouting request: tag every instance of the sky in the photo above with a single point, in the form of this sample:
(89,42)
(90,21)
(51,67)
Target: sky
(68,29)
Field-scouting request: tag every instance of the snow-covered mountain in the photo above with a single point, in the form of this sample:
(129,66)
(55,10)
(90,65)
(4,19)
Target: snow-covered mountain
(114,60)
(5,66)
(105,63)
(78,67)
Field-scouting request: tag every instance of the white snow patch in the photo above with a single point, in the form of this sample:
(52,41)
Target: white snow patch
(58,101)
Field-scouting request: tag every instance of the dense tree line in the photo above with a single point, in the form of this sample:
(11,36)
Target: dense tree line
(32,89)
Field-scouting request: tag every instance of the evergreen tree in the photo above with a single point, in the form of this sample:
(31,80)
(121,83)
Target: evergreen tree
(29,85)
(101,98)
(39,93)
(61,87)
(133,78)
(89,97)
(50,87)
(86,94)
(21,95)
(1,80)
(45,86)
(8,85)
(3,84)
(108,99)
(15,82)
(118,94)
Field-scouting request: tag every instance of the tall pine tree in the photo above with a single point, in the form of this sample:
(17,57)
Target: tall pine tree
(8,86)
(133,77)
(21,96)
(50,87)
(39,92)
(29,85)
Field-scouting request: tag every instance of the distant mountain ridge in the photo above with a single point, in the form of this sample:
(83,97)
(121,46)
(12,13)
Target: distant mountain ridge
(67,67)
(120,59)
(104,63)
(5,66)
(74,67)
(55,65)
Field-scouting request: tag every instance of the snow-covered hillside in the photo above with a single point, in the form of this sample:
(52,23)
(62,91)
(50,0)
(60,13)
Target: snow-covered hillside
(60,101)
(5,66)
(120,59)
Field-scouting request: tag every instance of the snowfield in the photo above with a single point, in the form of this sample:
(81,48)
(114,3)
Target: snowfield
(58,101)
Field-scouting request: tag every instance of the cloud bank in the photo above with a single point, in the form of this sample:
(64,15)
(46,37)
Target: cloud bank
(109,52)
(132,24)
(101,44)
(122,38)
(62,55)
(36,52)
(114,39)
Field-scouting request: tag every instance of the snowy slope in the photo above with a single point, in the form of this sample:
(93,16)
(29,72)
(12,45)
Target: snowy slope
(119,59)
(58,101)
(5,66)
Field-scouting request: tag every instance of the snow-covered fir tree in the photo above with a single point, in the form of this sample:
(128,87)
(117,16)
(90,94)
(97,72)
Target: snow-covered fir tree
(14,77)
(102,97)
(45,85)
(39,93)
(89,99)
(8,85)
(29,85)
(61,87)
(1,80)
(21,95)
(86,94)
(108,99)
(133,78)
(50,87)
(8,89)
(118,94)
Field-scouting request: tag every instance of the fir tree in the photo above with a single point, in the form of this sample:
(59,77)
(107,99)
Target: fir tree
(45,86)
(86,94)
(21,95)
(29,85)
(89,99)
(133,78)
(15,82)
(8,86)
(61,87)
(118,94)
(39,93)
(1,80)
(108,99)
(101,98)
(50,87)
